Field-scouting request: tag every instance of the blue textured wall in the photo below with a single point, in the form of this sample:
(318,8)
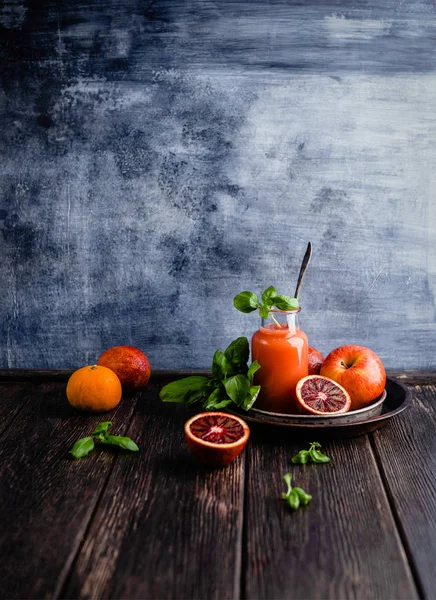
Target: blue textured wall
(159,157)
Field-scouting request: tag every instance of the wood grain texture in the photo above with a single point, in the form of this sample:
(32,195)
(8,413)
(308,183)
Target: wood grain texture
(13,397)
(343,545)
(166,527)
(406,452)
(47,500)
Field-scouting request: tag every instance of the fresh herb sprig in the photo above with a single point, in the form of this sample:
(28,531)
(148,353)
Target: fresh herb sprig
(231,382)
(102,436)
(248,302)
(295,497)
(314,454)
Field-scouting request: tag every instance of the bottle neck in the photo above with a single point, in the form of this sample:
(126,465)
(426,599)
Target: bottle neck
(281,320)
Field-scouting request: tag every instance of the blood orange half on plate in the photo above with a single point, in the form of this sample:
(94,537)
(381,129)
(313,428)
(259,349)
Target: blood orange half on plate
(216,438)
(318,395)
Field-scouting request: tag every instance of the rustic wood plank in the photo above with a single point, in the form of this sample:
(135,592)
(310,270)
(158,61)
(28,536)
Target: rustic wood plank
(48,498)
(13,397)
(166,527)
(343,545)
(406,452)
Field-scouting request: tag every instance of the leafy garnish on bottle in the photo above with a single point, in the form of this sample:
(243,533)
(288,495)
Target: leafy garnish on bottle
(248,302)
(231,382)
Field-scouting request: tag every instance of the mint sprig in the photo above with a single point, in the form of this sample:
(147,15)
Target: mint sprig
(248,302)
(231,383)
(102,436)
(295,497)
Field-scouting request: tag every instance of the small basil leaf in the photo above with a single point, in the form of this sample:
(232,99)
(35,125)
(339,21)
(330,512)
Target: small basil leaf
(315,444)
(301,458)
(221,366)
(269,294)
(303,496)
(251,397)
(293,500)
(255,366)
(217,400)
(318,457)
(82,447)
(102,428)
(246,302)
(121,442)
(237,388)
(264,311)
(238,351)
(180,390)
(285,302)
(288,480)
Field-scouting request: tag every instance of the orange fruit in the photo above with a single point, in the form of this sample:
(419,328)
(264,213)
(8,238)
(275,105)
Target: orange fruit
(216,438)
(320,395)
(94,389)
(130,364)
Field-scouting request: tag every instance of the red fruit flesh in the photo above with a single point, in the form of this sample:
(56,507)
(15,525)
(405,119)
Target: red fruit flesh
(217,430)
(315,361)
(320,395)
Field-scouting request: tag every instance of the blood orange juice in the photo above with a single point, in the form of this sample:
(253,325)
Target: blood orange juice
(281,349)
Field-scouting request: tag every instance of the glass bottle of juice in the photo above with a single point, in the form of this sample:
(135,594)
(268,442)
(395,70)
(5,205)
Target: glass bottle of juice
(282,351)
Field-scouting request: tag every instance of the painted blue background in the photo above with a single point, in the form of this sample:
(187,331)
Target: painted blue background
(159,157)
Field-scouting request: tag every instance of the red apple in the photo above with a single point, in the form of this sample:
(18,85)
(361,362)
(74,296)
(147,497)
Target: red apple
(130,364)
(359,370)
(315,361)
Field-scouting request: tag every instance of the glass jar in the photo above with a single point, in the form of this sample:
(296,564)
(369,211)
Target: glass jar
(281,349)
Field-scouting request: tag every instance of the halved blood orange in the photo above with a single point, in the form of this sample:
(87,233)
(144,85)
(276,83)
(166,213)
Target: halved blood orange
(320,395)
(216,438)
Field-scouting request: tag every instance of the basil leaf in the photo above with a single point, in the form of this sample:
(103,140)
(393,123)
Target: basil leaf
(315,444)
(102,428)
(269,294)
(221,366)
(285,302)
(294,500)
(301,458)
(238,351)
(82,447)
(318,457)
(251,397)
(180,390)
(288,480)
(121,442)
(237,388)
(246,302)
(303,497)
(217,400)
(255,366)
(264,311)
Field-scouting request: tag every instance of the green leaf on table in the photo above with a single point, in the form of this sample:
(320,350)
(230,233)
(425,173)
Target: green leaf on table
(238,351)
(303,496)
(254,367)
(246,302)
(237,388)
(102,428)
(251,397)
(121,442)
(182,389)
(301,458)
(82,447)
(268,295)
(222,366)
(318,457)
(293,499)
(217,399)
(285,302)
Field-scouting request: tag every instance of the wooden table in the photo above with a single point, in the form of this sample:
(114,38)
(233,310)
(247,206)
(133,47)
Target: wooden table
(160,525)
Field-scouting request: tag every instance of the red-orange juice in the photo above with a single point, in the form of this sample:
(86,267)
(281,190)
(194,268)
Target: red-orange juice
(282,352)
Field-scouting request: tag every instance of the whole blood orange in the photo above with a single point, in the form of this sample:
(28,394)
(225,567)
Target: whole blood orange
(216,438)
(130,364)
(319,395)
(94,388)
(315,361)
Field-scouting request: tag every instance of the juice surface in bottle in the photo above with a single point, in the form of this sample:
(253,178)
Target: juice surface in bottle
(282,351)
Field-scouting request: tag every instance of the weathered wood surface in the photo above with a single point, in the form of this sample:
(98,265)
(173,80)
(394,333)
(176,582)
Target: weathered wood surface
(160,525)
(406,452)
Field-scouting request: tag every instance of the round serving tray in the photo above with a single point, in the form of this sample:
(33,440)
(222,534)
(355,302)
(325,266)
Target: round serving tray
(395,398)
